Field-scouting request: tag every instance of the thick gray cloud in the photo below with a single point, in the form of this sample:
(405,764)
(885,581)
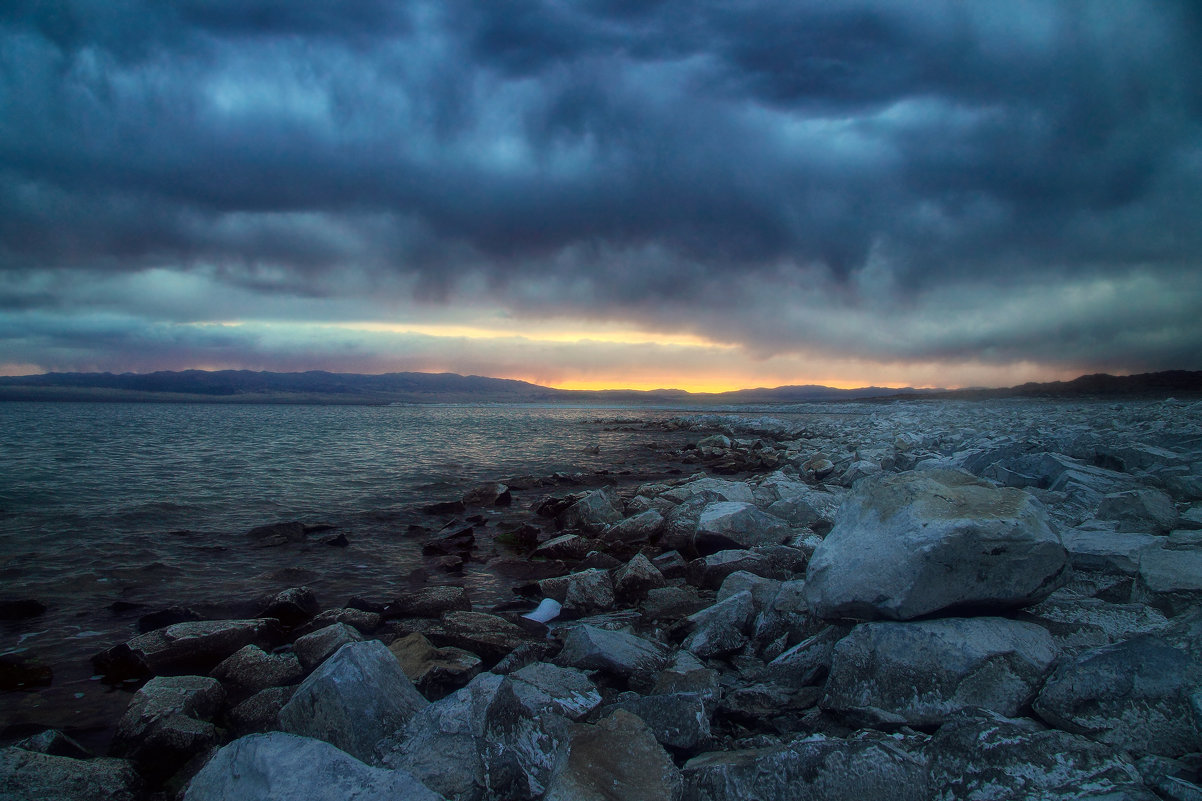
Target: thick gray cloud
(866,180)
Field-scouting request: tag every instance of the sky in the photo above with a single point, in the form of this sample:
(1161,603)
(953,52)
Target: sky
(604,193)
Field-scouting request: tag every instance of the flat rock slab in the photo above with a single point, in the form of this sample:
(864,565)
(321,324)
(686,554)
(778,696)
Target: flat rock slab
(29,776)
(920,672)
(192,647)
(267,767)
(912,544)
(615,652)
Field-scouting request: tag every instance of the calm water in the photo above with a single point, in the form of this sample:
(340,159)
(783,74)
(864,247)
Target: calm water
(148,505)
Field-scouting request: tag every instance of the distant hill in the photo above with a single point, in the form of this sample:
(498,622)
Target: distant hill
(246,386)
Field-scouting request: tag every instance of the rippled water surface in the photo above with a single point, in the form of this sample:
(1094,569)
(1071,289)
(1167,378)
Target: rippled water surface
(109,510)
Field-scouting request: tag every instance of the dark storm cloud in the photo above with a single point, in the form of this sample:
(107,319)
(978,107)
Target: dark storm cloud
(738,169)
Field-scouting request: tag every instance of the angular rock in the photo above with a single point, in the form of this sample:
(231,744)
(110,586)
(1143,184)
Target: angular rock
(21,608)
(920,672)
(435,672)
(571,547)
(1116,621)
(593,513)
(671,603)
(167,722)
(641,527)
(721,628)
(251,669)
(678,720)
(429,602)
(744,524)
(711,488)
(260,712)
(292,606)
(762,590)
(671,564)
(588,590)
(813,508)
(1171,580)
(193,647)
(488,636)
(709,572)
(492,494)
(813,769)
(455,539)
(366,622)
(1146,511)
(275,534)
(636,578)
(264,767)
(807,663)
(544,687)
(1094,548)
(29,776)
(987,757)
(354,699)
(1133,695)
(615,652)
(911,544)
(618,758)
(54,743)
(315,648)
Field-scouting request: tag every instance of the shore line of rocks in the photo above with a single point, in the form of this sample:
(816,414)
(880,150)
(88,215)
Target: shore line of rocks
(932,601)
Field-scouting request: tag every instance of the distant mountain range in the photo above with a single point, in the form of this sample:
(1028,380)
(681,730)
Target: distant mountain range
(245,386)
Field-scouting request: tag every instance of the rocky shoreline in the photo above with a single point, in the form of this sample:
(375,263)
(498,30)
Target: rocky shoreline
(946,600)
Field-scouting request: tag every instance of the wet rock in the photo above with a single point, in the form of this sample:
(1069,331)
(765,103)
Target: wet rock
(488,636)
(292,606)
(677,720)
(315,648)
(596,560)
(566,546)
(617,653)
(916,543)
(985,757)
(721,628)
(167,723)
(365,622)
(435,672)
(275,534)
(455,539)
(260,712)
(1146,511)
(166,617)
(544,687)
(593,513)
(641,527)
(54,743)
(279,765)
(1133,695)
(493,494)
(19,672)
(633,580)
(355,698)
(21,609)
(617,758)
(29,776)
(444,508)
(918,673)
(183,648)
(744,524)
(813,769)
(588,590)
(1170,580)
(338,540)
(251,669)
(429,602)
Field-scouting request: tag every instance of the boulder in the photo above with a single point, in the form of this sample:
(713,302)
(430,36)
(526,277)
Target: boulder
(588,590)
(453,539)
(1170,580)
(639,528)
(434,671)
(812,769)
(275,534)
(593,513)
(812,507)
(744,524)
(315,648)
(265,767)
(355,698)
(251,669)
(1146,511)
(1116,621)
(762,590)
(708,572)
(488,636)
(30,776)
(490,494)
(618,758)
(912,544)
(571,547)
(920,672)
(617,653)
(711,488)
(292,607)
(721,628)
(636,578)
(167,722)
(260,712)
(54,743)
(678,720)
(1094,547)
(428,602)
(671,603)
(807,663)
(366,622)
(1133,695)
(544,687)
(183,648)
(981,757)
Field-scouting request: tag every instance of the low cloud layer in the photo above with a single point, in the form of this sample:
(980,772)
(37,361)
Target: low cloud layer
(1001,191)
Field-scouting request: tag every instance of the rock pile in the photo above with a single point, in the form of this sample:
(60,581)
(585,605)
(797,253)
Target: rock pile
(940,600)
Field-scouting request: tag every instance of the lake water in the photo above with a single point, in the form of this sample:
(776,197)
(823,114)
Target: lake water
(108,511)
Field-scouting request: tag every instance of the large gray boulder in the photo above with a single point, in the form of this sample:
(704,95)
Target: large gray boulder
(678,720)
(982,757)
(29,776)
(713,488)
(811,769)
(285,767)
(617,653)
(1170,580)
(167,722)
(916,543)
(721,628)
(544,687)
(355,698)
(1094,546)
(1133,695)
(744,524)
(593,513)
(185,648)
(1147,511)
(920,672)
